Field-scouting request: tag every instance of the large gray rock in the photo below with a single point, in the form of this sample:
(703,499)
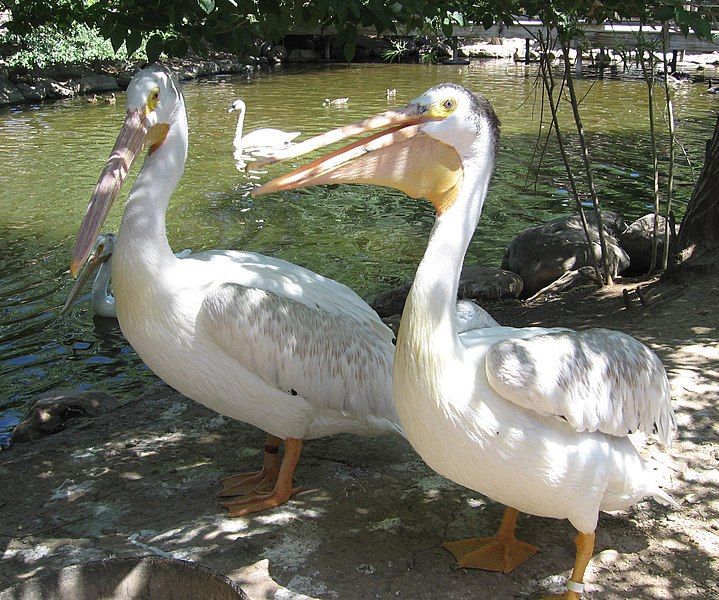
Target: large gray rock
(636,241)
(9,94)
(542,254)
(475,283)
(52,411)
(97,83)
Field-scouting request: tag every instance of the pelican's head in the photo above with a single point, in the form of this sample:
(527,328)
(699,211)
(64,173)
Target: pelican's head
(422,149)
(238,104)
(101,251)
(153,105)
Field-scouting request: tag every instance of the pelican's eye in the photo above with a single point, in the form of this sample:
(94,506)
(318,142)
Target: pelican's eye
(153,100)
(449,105)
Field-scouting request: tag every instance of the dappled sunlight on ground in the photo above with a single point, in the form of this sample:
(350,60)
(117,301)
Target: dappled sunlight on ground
(142,480)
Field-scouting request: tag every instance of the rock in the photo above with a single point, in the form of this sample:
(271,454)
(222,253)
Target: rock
(475,283)
(542,254)
(9,94)
(52,411)
(124,78)
(278,53)
(32,91)
(208,67)
(636,241)
(97,83)
(302,55)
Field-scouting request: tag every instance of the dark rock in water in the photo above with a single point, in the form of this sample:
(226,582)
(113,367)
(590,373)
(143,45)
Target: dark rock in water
(9,94)
(97,83)
(475,283)
(542,254)
(129,578)
(53,411)
(636,241)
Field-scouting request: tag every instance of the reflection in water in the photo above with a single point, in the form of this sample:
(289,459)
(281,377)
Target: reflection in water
(368,238)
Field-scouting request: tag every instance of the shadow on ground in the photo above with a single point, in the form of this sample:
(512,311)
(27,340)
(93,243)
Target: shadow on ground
(141,481)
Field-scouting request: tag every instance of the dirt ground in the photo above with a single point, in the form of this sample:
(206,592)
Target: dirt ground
(141,480)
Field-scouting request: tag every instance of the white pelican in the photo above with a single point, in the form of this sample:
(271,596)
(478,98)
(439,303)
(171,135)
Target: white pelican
(534,418)
(336,102)
(254,338)
(102,299)
(264,138)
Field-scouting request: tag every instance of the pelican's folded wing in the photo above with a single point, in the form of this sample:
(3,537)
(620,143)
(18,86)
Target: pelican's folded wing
(333,359)
(597,380)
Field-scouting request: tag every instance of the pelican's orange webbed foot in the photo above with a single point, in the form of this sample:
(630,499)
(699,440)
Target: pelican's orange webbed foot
(257,481)
(502,552)
(283,490)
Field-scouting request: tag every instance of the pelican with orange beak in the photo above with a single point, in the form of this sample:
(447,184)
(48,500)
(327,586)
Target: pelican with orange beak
(534,418)
(251,337)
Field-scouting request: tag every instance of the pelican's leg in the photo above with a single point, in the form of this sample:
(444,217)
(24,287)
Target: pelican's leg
(282,492)
(502,552)
(236,485)
(575,584)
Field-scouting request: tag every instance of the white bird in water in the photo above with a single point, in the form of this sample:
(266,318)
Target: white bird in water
(252,337)
(101,297)
(257,140)
(534,418)
(336,102)
(391,93)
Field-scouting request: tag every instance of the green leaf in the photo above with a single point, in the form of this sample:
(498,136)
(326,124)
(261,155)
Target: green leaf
(154,47)
(175,47)
(341,9)
(447,28)
(133,41)
(117,37)
(207,5)
(487,21)
(354,7)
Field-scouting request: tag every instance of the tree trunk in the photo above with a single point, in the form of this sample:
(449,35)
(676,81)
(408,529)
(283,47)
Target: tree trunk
(698,240)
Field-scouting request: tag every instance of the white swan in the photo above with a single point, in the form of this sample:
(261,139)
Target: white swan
(336,102)
(262,139)
(534,418)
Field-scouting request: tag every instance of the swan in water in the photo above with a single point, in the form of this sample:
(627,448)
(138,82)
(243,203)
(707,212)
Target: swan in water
(336,102)
(535,418)
(264,138)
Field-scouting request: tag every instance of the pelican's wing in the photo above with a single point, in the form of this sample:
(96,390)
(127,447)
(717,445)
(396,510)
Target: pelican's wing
(292,282)
(597,380)
(331,358)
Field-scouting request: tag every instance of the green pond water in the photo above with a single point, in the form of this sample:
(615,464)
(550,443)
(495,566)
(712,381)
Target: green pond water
(369,238)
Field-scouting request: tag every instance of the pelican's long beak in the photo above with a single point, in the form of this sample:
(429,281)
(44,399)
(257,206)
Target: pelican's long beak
(400,156)
(93,262)
(138,131)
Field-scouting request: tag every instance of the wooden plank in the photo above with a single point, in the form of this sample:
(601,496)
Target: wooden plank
(617,35)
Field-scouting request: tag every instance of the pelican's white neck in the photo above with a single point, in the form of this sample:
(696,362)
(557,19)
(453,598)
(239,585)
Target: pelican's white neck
(430,304)
(142,233)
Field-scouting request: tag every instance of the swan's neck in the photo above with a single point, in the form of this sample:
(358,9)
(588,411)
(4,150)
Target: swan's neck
(428,328)
(142,250)
(237,143)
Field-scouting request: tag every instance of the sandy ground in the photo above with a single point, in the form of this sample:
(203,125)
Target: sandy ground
(141,480)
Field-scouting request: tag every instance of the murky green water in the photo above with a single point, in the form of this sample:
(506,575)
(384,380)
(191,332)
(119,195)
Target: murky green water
(370,239)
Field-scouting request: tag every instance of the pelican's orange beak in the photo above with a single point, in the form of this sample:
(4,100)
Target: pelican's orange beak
(137,133)
(400,156)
